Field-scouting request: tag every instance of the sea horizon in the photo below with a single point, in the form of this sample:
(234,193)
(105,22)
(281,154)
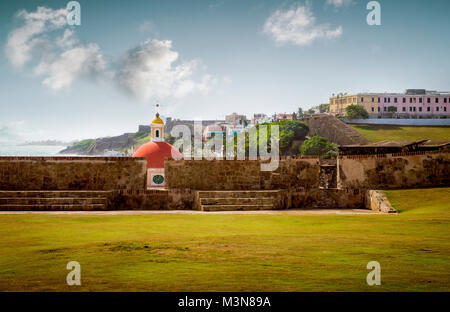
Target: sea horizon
(18,149)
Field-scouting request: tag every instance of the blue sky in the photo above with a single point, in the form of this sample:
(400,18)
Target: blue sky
(205,59)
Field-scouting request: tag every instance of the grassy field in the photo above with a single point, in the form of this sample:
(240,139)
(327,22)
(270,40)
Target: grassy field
(223,252)
(377,133)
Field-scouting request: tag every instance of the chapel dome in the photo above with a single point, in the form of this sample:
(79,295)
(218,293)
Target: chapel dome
(156,152)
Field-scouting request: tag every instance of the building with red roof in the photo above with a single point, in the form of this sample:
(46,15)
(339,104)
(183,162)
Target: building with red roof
(156,151)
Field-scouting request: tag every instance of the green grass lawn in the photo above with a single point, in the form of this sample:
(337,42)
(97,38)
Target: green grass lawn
(377,133)
(223,252)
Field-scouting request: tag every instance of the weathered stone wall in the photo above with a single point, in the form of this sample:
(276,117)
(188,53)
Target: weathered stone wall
(72,173)
(391,171)
(180,199)
(241,174)
(327,199)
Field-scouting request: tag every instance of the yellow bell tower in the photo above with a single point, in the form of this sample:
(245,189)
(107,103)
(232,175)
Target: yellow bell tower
(157,129)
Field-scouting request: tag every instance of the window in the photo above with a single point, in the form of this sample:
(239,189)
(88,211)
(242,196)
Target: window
(410,100)
(157,134)
(373,100)
(385,100)
(428,109)
(420,109)
(362,99)
(395,100)
(420,100)
(410,108)
(404,100)
(404,109)
(378,100)
(445,108)
(373,109)
(437,108)
(428,100)
(445,100)
(378,109)
(389,100)
(414,108)
(437,100)
(384,108)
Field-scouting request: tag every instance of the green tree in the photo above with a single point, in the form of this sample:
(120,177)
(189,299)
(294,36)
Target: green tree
(324,108)
(300,113)
(356,112)
(289,131)
(392,109)
(311,111)
(319,146)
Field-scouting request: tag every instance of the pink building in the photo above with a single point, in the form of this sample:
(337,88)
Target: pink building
(415,103)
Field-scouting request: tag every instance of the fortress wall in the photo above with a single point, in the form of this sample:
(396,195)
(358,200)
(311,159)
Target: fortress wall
(391,171)
(327,199)
(180,199)
(241,174)
(72,173)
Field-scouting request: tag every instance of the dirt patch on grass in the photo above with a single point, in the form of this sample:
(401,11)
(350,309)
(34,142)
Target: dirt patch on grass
(54,250)
(141,246)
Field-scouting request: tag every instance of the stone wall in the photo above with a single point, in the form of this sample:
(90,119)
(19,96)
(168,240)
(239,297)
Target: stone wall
(180,199)
(391,171)
(72,173)
(326,199)
(241,174)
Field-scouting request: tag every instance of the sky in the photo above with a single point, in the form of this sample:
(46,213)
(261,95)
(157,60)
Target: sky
(204,59)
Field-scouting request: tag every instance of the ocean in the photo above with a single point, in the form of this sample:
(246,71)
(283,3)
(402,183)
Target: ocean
(8,149)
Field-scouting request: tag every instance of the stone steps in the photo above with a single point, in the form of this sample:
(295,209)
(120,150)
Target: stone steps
(237,194)
(54,200)
(238,200)
(51,194)
(71,207)
(236,207)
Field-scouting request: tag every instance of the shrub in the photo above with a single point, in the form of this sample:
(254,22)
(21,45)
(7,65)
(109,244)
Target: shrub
(356,112)
(319,146)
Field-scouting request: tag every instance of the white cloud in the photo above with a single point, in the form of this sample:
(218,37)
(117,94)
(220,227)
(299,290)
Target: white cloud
(64,60)
(298,26)
(77,62)
(10,131)
(22,41)
(339,3)
(148,71)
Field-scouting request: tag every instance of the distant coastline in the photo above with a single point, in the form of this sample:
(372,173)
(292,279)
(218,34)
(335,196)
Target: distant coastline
(47,143)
